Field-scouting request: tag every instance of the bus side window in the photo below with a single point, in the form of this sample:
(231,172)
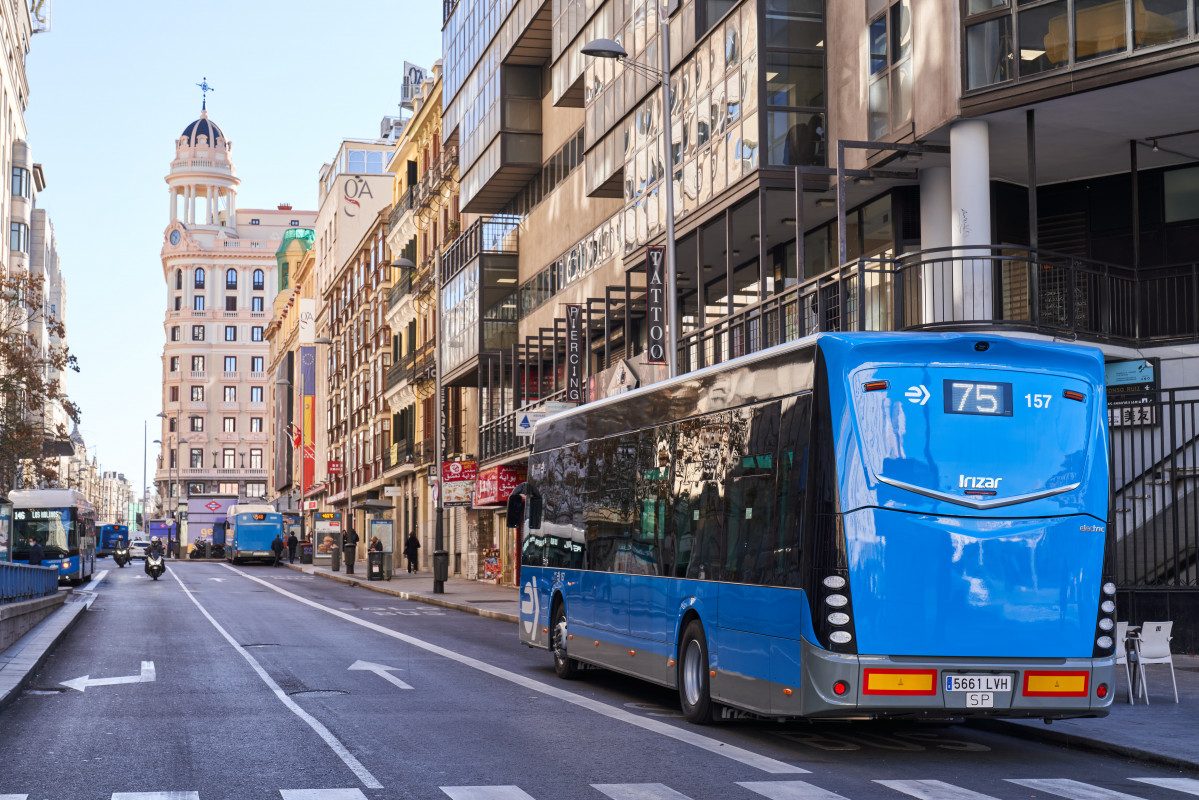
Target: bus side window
(792,485)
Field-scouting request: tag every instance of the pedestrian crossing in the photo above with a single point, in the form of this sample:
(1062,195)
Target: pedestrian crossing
(1070,789)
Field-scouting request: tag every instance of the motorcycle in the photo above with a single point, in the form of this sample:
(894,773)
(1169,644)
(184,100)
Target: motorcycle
(154,565)
(121,556)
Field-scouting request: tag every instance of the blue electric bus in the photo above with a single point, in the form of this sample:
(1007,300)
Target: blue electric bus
(847,526)
(249,531)
(64,522)
(108,538)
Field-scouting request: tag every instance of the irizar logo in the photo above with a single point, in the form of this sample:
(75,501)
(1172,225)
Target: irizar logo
(980,482)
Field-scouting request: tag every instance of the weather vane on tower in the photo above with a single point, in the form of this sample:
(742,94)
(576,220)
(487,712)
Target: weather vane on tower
(204,90)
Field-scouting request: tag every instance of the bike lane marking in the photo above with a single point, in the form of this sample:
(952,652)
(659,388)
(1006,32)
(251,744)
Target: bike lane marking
(714,746)
(334,743)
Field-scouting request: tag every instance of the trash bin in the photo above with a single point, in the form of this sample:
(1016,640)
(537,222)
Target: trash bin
(374,566)
(305,552)
(335,554)
(387,567)
(441,566)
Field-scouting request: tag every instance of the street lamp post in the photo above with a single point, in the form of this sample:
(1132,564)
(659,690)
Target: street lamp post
(170,481)
(607,48)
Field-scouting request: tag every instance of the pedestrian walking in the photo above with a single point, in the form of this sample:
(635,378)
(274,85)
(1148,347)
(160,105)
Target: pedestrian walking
(411,545)
(36,553)
(349,547)
(292,544)
(277,546)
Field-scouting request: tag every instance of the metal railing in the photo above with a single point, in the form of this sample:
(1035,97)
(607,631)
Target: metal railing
(20,582)
(493,234)
(402,207)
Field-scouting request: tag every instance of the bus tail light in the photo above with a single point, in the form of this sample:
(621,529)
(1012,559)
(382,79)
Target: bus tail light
(899,681)
(1101,691)
(1046,683)
(840,688)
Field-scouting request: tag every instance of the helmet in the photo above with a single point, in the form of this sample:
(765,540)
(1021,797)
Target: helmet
(155,539)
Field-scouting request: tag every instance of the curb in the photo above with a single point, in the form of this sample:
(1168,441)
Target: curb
(420,598)
(32,649)
(1045,734)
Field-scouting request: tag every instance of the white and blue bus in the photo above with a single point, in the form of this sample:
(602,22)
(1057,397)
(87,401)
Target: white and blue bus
(250,528)
(847,526)
(64,522)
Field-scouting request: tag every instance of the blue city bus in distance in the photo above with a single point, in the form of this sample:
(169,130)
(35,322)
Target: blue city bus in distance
(108,538)
(249,531)
(64,522)
(852,525)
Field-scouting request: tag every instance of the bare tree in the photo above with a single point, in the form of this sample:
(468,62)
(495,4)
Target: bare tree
(30,363)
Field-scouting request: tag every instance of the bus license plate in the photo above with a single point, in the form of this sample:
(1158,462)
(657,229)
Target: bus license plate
(978,683)
(980,699)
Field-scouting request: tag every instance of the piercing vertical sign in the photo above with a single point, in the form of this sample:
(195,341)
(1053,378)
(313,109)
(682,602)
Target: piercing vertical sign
(655,305)
(574,353)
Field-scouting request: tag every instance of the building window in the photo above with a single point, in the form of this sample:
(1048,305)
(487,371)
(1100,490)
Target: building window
(255,490)
(174,333)
(230,395)
(196,460)
(256,333)
(197,333)
(229,458)
(988,52)
(178,279)
(198,303)
(230,363)
(199,281)
(197,363)
(231,302)
(198,394)
(178,303)
(255,458)
(255,221)
(174,363)
(229,425)
(230,278)
(18,237)
(256,364)
(174,465)
(174,398)
(196,424)
(255,424)
(20,182)
(259,280)
(794,62)
(256,303)
(255,394)
(228,488)
(295,223)
(889,96)
(230,333)
(196,488)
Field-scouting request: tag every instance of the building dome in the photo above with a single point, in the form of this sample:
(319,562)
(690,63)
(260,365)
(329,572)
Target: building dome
(202,127)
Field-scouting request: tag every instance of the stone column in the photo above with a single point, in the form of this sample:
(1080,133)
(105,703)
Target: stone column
(970,181)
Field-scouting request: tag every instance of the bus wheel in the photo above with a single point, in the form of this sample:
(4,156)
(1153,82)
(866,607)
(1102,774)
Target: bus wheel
(565,666)
(694,693)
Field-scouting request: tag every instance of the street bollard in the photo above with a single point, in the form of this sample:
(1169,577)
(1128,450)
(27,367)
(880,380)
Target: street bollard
(335,553)
(441,570)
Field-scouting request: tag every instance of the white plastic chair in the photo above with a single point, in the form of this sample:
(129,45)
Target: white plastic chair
(1122,660)
(1155,649)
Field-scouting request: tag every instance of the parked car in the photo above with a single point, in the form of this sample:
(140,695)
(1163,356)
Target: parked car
(138,548)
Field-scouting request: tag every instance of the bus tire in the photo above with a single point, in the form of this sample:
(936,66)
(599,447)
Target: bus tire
(564,666)
(694,690)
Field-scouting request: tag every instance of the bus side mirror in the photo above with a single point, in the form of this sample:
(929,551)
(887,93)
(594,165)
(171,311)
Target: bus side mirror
(516,510)
(535,512)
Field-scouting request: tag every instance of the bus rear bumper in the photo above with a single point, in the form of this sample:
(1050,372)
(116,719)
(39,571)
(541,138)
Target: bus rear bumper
(850,686)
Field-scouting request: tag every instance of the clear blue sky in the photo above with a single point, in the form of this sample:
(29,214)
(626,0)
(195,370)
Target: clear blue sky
(111,87)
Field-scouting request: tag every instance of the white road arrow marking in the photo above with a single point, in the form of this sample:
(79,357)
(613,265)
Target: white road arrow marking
(381,671)
(81,684)
(917,394)
(218,580)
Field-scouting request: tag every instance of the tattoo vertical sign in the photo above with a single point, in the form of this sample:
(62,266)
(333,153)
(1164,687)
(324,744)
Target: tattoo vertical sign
(574,353)
(655,305)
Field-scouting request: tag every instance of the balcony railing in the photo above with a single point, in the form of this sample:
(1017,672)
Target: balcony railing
(401,208)
(494,234)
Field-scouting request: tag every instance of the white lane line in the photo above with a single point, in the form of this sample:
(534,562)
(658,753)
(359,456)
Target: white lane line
(14,797)
(335,745)
(486,793)
(639,791)
(684,735)
(322,794)
(1075,790)
(1184,785)
(156,796)
(789,790)
(934,790)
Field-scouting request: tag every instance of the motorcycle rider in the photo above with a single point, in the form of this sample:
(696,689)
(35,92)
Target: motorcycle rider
(156,549)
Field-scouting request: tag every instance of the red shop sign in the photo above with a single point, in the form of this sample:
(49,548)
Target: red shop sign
(459,471)
(495,485)
(333,467)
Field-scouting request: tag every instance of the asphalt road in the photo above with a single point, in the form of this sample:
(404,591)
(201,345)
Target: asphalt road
(253,682)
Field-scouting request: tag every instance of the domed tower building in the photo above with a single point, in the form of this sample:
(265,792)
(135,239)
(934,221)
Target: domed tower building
(218,262)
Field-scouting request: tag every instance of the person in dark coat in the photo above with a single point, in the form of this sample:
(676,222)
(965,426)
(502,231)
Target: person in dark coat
(277,546)
(349,548)
(292,544)
(36,553)
(411,545)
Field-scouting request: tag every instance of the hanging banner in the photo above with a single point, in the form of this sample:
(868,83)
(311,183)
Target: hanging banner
(308,418)
(574,353)
(307,322)
(655,305)
(459,478)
